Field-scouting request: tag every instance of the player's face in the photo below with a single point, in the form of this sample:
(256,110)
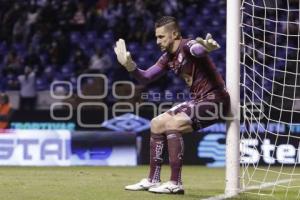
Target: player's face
(164,39)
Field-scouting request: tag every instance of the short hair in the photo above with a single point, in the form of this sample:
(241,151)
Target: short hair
(168,20)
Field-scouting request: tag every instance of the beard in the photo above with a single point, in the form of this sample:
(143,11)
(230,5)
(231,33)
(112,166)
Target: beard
(166,48)
(163,49)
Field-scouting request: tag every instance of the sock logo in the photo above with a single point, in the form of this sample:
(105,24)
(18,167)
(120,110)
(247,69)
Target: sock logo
(159,150)
(180,155)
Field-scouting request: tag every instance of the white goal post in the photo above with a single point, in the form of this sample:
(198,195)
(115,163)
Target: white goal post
(263,53)
(232,186)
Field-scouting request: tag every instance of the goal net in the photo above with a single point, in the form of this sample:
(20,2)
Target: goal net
(270,90)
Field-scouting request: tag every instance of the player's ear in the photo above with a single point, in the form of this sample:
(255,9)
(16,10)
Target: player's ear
(175,34)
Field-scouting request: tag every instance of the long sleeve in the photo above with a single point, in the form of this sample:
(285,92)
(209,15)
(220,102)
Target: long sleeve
(196,49)
(149,75)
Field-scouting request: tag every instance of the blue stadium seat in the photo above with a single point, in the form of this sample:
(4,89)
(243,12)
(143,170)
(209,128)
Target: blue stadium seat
(67,71)
(183,23)
(191,10)
(222,12)
(73,81)
(108,36)
(20,49)
(133,47)
(91,36)
(206,13)
(3,48)
(142,62)
(212,2)
(75,37)
(58,76)
(151,46)
(41,84)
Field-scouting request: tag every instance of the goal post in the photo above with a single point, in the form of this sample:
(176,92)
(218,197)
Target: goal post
(263,79)
(232,185)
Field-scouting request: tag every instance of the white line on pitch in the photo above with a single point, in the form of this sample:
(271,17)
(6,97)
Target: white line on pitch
(264,185)
(219,197)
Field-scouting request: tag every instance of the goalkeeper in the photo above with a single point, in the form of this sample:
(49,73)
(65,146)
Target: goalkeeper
(189,59)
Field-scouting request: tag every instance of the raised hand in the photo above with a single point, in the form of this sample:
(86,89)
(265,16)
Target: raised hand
(209,43)
(123,56)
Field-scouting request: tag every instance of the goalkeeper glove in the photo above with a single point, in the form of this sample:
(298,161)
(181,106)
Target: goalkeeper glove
(124,56)
(209,43)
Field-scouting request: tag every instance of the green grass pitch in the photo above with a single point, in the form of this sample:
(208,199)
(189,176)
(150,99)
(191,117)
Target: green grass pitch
(107,183)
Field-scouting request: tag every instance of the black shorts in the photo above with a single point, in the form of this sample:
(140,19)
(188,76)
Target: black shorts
(205,111)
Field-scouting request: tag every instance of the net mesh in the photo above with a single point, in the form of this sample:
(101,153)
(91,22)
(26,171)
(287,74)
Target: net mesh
(270,87)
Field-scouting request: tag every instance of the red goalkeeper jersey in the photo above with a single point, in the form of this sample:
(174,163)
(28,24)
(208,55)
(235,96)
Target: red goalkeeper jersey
(197,69)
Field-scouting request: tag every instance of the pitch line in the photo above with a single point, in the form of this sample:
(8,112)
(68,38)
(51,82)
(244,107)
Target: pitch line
(264,185)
